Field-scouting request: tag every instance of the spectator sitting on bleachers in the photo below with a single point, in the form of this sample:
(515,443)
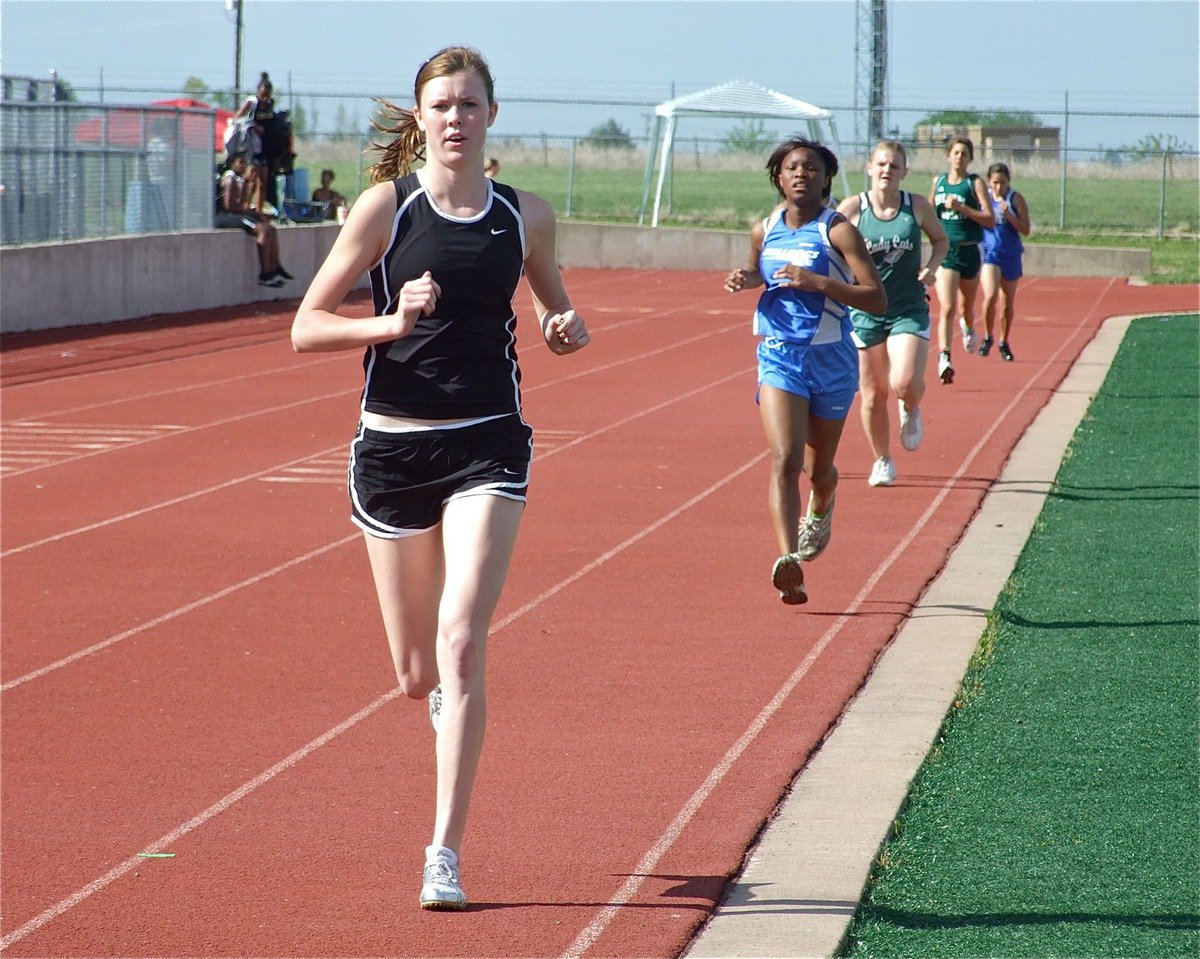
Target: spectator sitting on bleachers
(234,211)
(326,194)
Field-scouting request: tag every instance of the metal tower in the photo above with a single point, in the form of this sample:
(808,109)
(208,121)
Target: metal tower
(870,81)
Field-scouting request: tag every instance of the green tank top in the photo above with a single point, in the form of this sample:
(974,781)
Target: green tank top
(895,246)
(958,226)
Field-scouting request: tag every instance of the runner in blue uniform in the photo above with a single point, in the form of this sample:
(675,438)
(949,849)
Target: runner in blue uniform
(813,264)
(1002,250)
(440,462)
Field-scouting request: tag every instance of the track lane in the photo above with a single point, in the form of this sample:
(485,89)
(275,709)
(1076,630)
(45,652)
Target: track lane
(652,708)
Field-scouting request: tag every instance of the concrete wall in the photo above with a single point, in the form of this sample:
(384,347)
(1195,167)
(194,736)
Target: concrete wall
(614,245)
(51,285)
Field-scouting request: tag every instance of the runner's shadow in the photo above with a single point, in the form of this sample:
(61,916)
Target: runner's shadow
(709,889)
(1018,620)
(951,609)
(1151,493)
(754,899)
(1182,921)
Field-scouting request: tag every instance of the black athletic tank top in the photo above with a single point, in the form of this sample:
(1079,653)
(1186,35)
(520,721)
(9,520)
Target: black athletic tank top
(461,361)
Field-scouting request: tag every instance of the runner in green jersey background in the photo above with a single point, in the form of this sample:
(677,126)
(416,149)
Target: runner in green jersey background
(962,205)
(893,347)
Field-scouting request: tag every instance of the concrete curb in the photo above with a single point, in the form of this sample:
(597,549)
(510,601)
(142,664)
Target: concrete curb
(801,884)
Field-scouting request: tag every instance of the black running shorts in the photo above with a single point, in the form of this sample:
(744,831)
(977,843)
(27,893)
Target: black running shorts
(400,482)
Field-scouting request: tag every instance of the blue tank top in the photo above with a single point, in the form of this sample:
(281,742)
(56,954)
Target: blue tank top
(799,316)
(1003,238)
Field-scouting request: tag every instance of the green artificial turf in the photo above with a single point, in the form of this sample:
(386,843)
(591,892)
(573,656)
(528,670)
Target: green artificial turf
(1059,812)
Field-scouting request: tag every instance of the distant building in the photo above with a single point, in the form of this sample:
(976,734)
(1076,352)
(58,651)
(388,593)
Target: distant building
(992,143)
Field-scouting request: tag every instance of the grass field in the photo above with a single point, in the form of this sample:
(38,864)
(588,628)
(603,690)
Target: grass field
(729,193)
(1056,815)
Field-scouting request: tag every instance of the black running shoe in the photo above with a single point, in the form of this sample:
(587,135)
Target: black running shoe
(1005,352)
(986,346)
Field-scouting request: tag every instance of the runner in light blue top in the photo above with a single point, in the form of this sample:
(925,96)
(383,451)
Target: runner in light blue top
(800,316)
(1002,250)
(814,265)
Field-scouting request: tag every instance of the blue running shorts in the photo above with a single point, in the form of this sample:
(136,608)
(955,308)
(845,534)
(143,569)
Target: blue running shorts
(825,375)
(1009,263)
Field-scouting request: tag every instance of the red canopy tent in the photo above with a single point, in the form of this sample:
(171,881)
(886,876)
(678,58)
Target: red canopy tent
(223,118)
(131,127)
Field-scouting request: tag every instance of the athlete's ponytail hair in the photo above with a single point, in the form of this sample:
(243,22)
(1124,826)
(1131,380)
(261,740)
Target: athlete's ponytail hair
(828,160)
(408,142)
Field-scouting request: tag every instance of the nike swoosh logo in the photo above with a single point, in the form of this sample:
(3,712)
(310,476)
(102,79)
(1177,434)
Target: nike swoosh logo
(498,232)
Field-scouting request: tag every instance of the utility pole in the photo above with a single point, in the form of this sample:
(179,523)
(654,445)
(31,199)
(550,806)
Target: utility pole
(870,88)
(237,55)
(878,70)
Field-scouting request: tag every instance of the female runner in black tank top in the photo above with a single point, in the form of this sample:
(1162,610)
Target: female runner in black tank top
(445,249)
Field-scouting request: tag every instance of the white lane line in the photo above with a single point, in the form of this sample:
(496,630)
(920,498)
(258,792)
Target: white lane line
(283,467)
(205,426)
(244,790)
(103,644)
(173,614)
(649,862)
(100,524)
(175,390)
(194,823)
(31,444)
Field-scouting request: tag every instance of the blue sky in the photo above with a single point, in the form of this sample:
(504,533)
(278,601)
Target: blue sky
(1107,55)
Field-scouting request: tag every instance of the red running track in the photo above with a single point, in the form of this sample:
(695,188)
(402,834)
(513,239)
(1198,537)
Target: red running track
(193,662)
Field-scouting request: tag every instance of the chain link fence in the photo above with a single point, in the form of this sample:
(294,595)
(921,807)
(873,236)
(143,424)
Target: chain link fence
(72,171)
(1068,191)
(83,170)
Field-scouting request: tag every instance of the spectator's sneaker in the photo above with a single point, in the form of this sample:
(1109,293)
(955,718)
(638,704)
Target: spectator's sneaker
(815,532)
(945,370)
(912,427)
(435,706)
(1005,352)
(284,273)
(970,340)
(788,578)
(883,473)
(986,346)
(270,279)
(440,887)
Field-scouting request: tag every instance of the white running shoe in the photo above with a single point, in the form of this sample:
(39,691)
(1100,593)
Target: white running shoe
(815,533)
(440,886)
(788,578)
(970,340)
(883,473)
(435,706)
(912,427)
(945,370)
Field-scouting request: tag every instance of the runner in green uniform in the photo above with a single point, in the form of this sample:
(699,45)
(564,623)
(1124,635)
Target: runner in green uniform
(893,348)
(961,201)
